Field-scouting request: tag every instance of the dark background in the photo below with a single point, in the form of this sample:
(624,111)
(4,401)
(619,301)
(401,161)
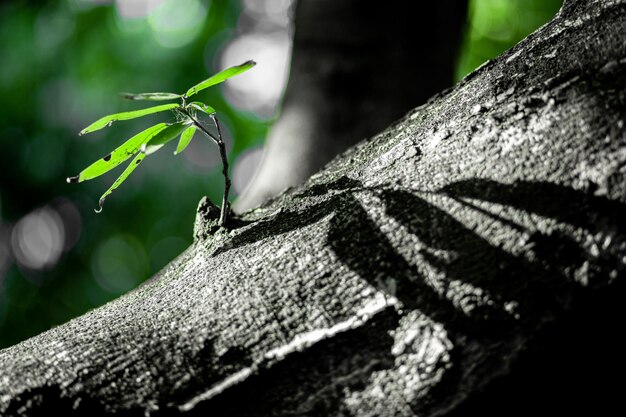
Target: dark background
(62,65)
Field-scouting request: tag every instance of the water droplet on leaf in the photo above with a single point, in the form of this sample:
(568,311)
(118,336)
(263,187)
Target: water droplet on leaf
(100,204)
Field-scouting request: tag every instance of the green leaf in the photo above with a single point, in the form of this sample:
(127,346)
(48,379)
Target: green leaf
(163,137)
(108,120)
(119,155)
(151,96)
(129,169)
(220,77)
(198,105)
(185,138)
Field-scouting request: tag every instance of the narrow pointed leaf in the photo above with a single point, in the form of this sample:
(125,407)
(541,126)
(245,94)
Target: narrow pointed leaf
(129,169)
(151,96)
(163,137)
(185,138)
(119,155)
(198,105)
(108,120)
(220,77)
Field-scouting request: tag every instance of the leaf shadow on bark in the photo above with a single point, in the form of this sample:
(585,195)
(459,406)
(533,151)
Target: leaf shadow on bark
(539,284)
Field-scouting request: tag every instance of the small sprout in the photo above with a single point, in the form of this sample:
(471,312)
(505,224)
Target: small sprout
(155,137)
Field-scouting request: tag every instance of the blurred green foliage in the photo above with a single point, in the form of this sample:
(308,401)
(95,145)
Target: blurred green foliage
(496,25)
(63,63)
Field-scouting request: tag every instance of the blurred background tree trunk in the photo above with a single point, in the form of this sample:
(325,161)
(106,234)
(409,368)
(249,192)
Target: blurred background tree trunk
(357,66)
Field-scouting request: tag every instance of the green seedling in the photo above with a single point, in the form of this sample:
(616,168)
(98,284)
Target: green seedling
(154,138)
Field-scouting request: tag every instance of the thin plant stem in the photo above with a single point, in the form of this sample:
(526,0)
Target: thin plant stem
(222,147)
(225,203)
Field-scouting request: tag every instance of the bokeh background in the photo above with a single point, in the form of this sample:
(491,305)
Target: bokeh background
(63,63)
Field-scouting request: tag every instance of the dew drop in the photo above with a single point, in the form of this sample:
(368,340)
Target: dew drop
(72,180)
(107,158)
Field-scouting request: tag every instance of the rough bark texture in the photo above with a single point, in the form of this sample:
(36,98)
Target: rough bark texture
(459,263)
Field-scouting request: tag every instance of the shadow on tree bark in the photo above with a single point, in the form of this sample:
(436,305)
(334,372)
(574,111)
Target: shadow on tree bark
(540,282)
(576,371)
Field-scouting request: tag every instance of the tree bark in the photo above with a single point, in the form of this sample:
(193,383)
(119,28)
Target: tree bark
(469,260)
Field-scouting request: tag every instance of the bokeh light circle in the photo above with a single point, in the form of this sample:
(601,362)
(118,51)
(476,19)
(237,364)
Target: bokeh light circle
(38,239)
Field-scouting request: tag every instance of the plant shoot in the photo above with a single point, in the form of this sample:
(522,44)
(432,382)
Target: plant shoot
(155,137)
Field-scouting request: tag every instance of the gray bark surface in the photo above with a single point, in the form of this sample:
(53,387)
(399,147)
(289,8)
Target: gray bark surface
(434,269)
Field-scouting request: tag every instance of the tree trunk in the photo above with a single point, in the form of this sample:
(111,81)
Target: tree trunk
(469,260)
(356,67)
